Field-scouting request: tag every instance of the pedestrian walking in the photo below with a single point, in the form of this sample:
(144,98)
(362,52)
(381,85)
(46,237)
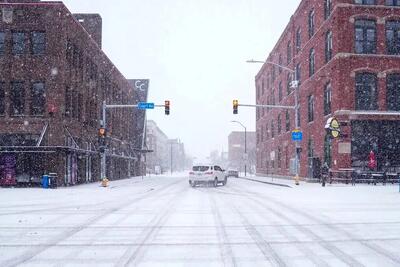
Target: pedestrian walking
(324,172)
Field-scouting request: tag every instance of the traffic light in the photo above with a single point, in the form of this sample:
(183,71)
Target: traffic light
(167,103)
(235,106)
(102,139)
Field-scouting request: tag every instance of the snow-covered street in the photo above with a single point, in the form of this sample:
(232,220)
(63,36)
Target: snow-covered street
(162,221)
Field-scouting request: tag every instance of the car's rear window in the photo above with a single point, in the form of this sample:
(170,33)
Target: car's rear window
(200,168)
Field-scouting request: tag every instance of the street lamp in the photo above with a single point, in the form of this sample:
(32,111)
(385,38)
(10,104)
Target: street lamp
(295,85)
(245,146)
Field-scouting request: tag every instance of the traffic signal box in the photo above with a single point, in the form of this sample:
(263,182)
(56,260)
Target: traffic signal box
(102,139)
(235,106)
(167,104)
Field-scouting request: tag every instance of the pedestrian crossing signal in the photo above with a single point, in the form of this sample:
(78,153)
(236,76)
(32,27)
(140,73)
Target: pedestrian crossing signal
(167,104)
(235,106)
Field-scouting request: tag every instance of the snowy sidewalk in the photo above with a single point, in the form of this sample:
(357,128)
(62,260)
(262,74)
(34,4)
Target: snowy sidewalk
(271,180)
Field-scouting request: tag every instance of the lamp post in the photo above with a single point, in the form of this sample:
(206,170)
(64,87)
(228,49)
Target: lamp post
(245,146)
(295,85)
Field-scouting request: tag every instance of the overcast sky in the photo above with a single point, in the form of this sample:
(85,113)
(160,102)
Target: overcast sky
(194,53)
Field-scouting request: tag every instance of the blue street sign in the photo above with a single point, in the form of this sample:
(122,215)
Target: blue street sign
(145,105)
(297,136)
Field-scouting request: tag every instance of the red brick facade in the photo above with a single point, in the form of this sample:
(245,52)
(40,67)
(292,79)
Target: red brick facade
(77,77)
(274,154)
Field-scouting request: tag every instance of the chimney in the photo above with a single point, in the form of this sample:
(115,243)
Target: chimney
(92,24)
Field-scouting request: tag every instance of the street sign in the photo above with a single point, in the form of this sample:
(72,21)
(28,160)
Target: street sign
(145,105)
(333,127)
(297,135)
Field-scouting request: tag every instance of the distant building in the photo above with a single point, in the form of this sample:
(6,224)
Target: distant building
(53,80)
(177,155)
(157,141)
(236,151)
(345,55)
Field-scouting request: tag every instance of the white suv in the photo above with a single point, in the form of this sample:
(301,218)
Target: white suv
(207,174)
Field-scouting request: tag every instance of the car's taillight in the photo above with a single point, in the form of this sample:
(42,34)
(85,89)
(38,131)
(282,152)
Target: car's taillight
(209,173)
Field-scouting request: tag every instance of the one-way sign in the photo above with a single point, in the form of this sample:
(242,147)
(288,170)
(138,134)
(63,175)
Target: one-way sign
(145,105)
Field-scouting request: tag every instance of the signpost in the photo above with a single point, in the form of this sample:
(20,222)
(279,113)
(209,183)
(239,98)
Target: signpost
(297,135)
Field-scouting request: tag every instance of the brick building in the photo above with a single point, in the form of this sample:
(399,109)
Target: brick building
(345,54)
(53,79)
(236,143)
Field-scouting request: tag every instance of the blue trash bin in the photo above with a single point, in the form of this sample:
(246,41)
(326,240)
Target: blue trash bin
(45,181)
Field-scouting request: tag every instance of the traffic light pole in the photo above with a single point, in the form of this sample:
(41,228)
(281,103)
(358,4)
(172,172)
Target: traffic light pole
(295,86)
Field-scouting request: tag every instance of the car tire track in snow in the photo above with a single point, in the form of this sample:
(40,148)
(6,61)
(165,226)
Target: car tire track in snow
(30,254)
(134,255)
(224,243)
(293,240)
(326,244)
(265,247)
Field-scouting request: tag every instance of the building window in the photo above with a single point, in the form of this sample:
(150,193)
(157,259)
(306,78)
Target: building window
(17,104)
(327,99)
(266,132)
(272,129)
(273,74)
(280,63)
(298,73)
(38,99)
(392,2)
(38,40)
(366,91)
(262,135)
(68,102)
(311,62)
(298,40)
(310,102)
(289,53)
(287,121)
(365,2)
(18,43)
(311,26)
(327,8)
(328,46)
(298,117)
(279,157)
(2,43)
(393,91)
(279,124)
(273,97)
(365,36)
(310,148)
(393,37)
(262,86)
(2,99)
(289,85)
(280,96)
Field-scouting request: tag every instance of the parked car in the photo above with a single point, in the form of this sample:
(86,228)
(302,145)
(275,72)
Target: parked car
(207,175)
(232,173)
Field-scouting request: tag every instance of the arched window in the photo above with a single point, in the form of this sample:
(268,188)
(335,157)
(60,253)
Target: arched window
(327,8)
(311,25)
(311,61)
(328,46)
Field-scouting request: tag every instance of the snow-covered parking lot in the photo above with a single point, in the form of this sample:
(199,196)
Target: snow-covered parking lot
(162,221)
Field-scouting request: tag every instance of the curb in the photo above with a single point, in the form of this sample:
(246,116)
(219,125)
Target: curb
(263,182)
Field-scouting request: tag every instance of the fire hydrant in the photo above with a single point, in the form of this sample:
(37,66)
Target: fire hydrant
(296,179)
(104,182)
